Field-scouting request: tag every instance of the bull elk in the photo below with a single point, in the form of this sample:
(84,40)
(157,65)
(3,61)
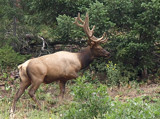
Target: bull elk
(60,66)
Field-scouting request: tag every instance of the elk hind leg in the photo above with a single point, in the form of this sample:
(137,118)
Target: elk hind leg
(23,85)
(32,90)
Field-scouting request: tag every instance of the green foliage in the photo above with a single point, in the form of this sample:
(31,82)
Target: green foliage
(89,76)
(132,55)
(64,28)
(92,101)
(132,109)
(135,34)
(133,28)
(120,12)
(113,74)
(98,65)
(111,70)
(47,11)
(99,17)
(9,58)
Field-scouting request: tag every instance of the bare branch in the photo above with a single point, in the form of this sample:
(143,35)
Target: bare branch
(43,45)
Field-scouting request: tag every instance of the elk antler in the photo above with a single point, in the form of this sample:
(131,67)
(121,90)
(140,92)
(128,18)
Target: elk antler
(85,25)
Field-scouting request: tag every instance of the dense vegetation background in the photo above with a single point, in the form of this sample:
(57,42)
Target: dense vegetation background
(132,27)
(32,28)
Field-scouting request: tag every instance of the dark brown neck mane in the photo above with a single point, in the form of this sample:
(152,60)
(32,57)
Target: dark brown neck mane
(85,57)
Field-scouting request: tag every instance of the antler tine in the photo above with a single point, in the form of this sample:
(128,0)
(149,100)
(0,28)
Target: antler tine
(86,23)
(90,33)
(104,41)
(86,27)
(79,18)
(76,22)
(100,40)
(93,30)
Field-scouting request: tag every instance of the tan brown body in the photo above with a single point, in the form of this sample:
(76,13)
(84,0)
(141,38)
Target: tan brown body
(60,66)
(23,71)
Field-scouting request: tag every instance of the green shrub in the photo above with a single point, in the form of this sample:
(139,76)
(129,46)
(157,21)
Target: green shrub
(9,58)
(111,70)
(91,100)
(113,74)
(98,65)
(133,109)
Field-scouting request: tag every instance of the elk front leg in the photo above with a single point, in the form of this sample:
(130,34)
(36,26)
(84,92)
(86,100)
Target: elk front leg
(62,83)
(62,88)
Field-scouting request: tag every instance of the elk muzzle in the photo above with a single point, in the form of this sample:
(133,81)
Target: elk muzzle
(106,54)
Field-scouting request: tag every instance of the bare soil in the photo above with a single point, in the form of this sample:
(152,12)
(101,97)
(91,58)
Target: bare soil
(151,91)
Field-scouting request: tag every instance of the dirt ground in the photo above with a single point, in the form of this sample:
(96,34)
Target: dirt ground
(147,91)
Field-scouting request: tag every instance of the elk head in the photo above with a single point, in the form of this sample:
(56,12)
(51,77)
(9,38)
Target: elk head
(93,42)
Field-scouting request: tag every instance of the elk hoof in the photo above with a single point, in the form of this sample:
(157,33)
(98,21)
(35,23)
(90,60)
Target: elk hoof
(12,115)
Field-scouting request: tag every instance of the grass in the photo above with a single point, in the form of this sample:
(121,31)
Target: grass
(82,99)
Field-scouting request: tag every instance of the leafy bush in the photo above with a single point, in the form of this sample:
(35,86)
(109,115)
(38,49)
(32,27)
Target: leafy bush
(113,74)
(92,101)
(98,15)
(9,58)
(98,65)
(110,70)
(134,35)
(133,109)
